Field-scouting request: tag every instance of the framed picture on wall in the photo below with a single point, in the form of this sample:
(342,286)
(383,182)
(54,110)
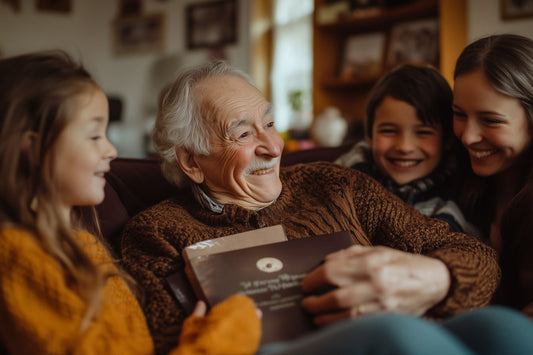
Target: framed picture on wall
(139,34)
(363,56)
(511,9)
(211,24)
(414,42)
(129,8)
(54,5)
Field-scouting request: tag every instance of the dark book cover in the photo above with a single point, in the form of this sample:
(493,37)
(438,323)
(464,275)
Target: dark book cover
(270,274)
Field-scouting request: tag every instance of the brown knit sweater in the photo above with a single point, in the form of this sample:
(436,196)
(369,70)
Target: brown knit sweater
(316,198)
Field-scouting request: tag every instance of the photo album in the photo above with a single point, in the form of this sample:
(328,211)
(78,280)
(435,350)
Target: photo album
(265,266)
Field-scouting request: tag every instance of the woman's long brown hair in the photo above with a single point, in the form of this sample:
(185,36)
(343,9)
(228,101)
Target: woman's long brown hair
(507,62)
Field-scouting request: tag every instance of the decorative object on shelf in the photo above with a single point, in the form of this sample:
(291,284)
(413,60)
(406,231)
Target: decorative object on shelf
(211,24)
(362,9)
(329,128)
(515,9)
(329,47)
(414,42)
(296,100)
(300,119)
(54,5)
(363,56)
(139,34)
(331,12)
(292,145)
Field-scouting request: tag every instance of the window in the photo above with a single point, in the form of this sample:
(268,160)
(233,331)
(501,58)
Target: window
(292,64)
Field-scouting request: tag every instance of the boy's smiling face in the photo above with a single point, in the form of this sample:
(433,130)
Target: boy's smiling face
(404,148)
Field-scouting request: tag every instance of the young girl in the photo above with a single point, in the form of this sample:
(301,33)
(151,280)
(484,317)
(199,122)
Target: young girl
(493,118)
(409,140)
(59,290)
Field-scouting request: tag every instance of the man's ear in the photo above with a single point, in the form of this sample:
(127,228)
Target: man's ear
(28,145)
(189,165)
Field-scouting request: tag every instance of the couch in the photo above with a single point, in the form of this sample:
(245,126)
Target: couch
(134,184)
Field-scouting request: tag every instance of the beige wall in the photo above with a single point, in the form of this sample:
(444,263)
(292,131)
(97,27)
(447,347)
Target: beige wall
(86,33)
(484,19)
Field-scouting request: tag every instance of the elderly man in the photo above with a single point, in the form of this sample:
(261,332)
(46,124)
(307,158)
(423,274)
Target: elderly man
(216,135)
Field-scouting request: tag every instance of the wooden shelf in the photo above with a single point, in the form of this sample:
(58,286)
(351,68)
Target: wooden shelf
(384,16)
(344,83)
(350,95)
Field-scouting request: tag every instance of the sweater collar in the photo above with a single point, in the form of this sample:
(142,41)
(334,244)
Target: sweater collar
(210,203)
(362,160)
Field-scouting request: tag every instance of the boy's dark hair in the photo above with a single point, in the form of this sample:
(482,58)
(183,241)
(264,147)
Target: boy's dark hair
(424,88)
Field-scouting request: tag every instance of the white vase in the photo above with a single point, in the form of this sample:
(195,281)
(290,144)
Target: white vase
(329,128)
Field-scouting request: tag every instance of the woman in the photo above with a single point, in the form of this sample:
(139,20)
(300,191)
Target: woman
(493,118)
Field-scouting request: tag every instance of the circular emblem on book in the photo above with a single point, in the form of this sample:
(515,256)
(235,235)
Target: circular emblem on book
(269,264)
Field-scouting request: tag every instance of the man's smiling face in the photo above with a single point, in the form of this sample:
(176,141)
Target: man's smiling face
(243,167)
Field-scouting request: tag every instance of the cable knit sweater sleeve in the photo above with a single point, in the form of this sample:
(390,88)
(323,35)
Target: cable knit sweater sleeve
(386,220)
(41,314)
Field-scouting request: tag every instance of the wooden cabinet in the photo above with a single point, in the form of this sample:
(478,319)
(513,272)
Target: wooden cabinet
(349,95)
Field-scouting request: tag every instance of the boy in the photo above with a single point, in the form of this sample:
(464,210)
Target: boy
(408,127)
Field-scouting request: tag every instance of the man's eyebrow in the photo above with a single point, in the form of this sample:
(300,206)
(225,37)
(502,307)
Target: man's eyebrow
(238,123)
(268,110)
(247,120)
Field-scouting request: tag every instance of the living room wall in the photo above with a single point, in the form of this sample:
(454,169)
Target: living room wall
(86,32)
(484,18)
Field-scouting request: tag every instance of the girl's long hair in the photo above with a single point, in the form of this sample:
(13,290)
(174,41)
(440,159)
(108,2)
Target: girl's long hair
(507,62)
(38,94)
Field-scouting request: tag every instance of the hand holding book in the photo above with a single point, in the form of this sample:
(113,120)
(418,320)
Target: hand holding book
(271,275)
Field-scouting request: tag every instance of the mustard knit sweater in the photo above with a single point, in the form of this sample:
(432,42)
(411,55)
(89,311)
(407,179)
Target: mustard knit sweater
(41,314)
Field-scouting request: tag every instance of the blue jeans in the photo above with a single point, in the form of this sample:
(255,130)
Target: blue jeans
(491,330)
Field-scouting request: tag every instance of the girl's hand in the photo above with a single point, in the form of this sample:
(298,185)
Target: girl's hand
(200,309)
(230,327)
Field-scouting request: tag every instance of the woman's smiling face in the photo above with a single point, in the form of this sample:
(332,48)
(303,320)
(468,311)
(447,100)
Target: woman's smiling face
(492,126)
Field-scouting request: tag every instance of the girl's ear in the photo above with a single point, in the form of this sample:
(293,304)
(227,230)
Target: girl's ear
(189,165)
(368,140)
(28,145)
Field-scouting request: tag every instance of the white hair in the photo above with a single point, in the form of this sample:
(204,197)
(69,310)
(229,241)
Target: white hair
(180,123)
